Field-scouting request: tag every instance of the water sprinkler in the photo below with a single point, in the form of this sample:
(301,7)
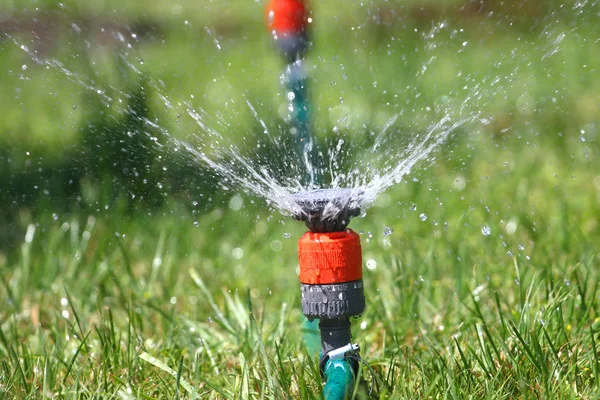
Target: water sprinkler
(329,255)
(330,259)
(288,22)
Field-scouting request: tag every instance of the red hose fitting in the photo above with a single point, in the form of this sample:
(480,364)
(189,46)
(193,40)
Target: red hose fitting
(326,258)
(287,16)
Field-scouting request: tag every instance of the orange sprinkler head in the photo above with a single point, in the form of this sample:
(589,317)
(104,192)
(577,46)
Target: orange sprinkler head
(330,259)
(327,258)
(287,16)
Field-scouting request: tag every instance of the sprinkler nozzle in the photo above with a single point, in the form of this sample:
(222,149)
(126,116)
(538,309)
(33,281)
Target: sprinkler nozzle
(326,210)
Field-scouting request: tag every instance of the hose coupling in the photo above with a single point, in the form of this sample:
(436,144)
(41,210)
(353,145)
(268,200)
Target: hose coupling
(340,353)
(351,350)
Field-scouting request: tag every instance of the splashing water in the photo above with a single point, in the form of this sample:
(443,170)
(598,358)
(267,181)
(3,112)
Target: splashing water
(258,175)
(274,177)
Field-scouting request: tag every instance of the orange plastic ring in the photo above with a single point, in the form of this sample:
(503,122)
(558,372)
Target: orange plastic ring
(286,16)
(327,258)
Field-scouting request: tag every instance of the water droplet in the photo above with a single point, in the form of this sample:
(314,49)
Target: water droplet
(413,207)
(24,67)
(486,230)
(276,245)
(173,300)
(287,235)
(387,231)
(236,203)
(237,253)
(291,96)
(511,226)
(423,217)
(371,264)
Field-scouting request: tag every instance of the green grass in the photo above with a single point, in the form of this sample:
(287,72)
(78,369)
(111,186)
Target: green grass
(154,307)
(99,300)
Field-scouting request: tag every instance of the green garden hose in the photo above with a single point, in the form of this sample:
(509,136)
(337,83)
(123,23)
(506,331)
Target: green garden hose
(340,379)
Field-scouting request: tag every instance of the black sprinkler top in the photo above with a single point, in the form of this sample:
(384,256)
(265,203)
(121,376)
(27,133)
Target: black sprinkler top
(326,210)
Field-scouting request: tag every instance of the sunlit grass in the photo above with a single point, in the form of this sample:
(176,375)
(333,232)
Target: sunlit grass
(153,306)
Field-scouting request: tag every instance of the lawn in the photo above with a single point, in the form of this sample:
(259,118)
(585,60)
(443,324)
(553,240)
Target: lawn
(480,267)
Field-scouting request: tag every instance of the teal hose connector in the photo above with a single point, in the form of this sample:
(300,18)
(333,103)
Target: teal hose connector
(340,379)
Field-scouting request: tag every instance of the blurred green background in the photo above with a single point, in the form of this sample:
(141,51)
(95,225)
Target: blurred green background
(99,216)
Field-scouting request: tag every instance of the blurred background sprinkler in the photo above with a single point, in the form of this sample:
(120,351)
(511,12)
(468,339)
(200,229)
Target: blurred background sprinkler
(329,255)
(288,22)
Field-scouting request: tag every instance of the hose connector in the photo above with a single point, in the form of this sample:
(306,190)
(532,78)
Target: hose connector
(340,353)
(331,275)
